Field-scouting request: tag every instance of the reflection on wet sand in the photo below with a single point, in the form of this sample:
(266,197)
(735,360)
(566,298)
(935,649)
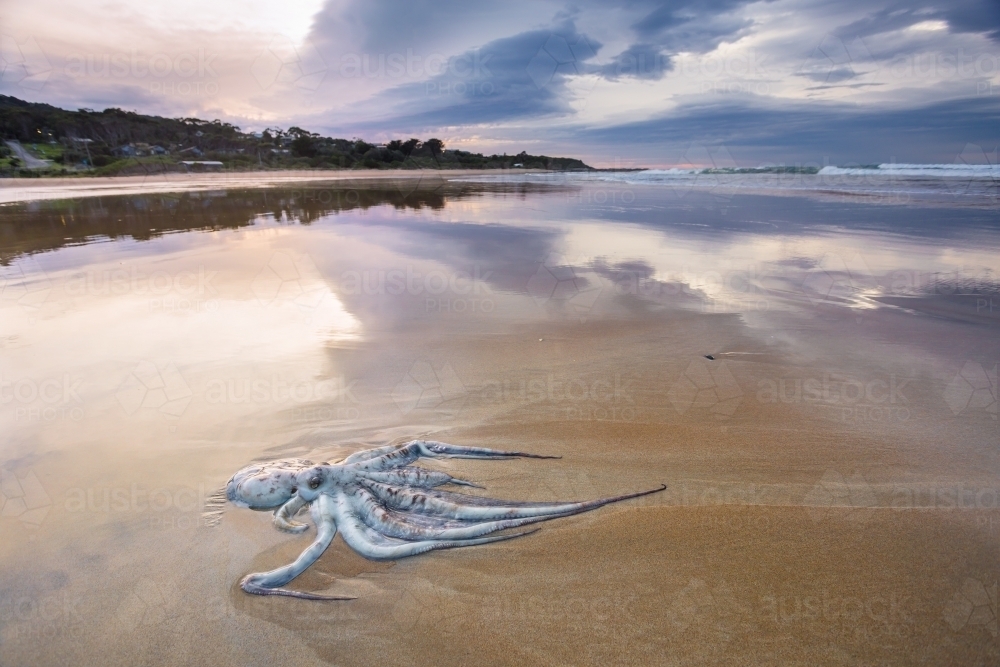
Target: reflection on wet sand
(48,225)
(831,469)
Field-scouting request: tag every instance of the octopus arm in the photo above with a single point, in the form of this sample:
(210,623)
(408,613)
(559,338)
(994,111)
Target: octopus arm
(406,454)
(283,516)
(418,477)
(375,546)
(480,501)
(409,500)
(368,454)
(270,583)
(399,525)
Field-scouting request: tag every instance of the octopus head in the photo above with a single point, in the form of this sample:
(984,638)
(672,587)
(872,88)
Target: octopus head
(264,486)
(309,482)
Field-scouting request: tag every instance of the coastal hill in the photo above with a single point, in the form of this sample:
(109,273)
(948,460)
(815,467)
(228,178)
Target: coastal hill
(117,142)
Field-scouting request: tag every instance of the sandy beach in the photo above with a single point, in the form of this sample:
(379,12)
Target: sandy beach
(58,187)
(831,499)
(556,334)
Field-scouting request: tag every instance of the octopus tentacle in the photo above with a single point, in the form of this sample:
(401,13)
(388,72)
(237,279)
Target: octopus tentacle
(411,451)
(479,501)
(399,525)
(375,546)
(418,477)
(283,516)
(368,454)
(422,501)
(270,583)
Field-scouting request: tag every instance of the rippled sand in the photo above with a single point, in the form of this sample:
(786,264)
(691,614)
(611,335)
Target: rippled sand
(832,473)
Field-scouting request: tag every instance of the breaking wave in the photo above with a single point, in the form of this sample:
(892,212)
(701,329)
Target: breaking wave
(926,170)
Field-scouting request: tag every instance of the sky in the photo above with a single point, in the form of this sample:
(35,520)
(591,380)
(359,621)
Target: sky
(635,83)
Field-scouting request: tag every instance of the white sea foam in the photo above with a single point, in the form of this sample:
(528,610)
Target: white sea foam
(958,170)
(950,184)
(967,172)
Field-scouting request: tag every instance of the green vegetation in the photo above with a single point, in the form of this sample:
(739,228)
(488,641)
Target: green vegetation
(7,159)
(117,142)
(46,151)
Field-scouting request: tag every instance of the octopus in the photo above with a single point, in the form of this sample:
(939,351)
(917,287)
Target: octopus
(385,508)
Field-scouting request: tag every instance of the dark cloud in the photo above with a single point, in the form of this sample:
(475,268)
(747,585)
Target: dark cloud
(666,16)
(423,27)
(975,16)
(523,76)
(641,61)
(670,27)
(813,132)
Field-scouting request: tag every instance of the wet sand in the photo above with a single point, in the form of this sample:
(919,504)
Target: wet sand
(831,499)
(38,189)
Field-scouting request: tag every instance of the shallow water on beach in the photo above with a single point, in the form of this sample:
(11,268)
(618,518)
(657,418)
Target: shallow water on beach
(813,376)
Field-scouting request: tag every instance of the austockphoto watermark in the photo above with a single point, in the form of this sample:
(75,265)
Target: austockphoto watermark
(164,508)
(182,74)
(951,65)
(852,400)
(888,610)
(734,87)
(587,398)
(442,291)
(337,198)
(196,64)
(981,283)
(459,305)
(183,88)
(277,390)
(56,616)
(743,65)
(410,65)
(944,497)
(612,196)
(987,88)
(46,400)
(739,287)
(718,73)
(743,70)
(672,283)
(440,389)
(332,399)
(892,496)
(133,281)
(563,610)
(743,518)
(460,88)
(556,389)
(184,290)
(855,492)
(326,413)
(693,495)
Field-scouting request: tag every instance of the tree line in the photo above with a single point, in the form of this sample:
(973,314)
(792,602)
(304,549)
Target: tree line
(118,141)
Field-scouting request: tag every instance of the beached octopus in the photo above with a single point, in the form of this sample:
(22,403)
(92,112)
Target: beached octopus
(384,507)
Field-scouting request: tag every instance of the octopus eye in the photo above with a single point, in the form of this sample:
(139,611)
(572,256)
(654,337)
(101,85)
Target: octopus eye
(314,483)
(295,489)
